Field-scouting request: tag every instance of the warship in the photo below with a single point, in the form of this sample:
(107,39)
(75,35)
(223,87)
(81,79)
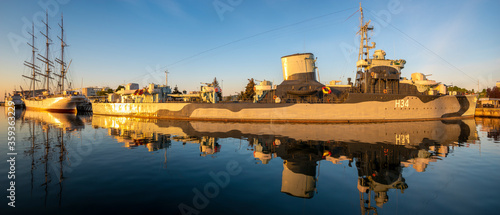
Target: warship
(61,101)
(378,93)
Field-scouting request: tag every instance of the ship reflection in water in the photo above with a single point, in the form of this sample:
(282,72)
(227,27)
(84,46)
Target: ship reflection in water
(48,135)
(386,163)
(380,154)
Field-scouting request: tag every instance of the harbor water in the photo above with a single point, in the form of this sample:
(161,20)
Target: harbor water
(84,164)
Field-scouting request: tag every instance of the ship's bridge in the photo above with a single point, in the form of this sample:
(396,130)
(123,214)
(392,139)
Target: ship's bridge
(380,60)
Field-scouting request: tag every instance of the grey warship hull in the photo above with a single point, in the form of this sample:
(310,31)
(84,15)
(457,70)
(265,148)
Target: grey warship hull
(357,107)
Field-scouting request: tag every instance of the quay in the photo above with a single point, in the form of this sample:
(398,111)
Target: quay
(488,112)
(488,107)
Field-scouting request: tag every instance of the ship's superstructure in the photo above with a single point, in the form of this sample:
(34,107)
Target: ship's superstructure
(375,75)
(61,100)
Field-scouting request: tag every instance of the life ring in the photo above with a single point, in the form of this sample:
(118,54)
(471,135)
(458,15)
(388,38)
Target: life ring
(326,90)
(216,89)
(385,91)
(327,153)
(372,74)
(274,97)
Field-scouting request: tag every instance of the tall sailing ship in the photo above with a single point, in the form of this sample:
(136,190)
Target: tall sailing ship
(60,100)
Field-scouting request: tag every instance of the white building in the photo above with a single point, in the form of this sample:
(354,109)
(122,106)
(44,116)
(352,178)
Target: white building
(154,93)
(90,91)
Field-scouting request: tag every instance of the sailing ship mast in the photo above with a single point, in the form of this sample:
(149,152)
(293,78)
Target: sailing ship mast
(34,68)
(62,75)
(45,59)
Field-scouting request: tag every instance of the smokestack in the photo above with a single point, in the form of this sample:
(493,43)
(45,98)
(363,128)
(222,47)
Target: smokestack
(299,67)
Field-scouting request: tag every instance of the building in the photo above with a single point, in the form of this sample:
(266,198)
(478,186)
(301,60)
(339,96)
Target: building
(90,91)
(132,86)
(153,93)
(488,103)
(498,84)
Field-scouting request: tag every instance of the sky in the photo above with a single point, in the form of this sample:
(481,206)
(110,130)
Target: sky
(115,42)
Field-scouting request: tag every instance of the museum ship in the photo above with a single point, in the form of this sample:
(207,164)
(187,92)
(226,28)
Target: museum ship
(378,93)
(61,101)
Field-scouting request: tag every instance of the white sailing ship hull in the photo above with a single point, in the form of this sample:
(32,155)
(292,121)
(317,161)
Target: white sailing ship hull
(55,104)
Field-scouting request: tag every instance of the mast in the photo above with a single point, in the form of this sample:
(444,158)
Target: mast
(166,77)
(364,48)
(32,151)
(34,68)
(61,159)
(46,159)
(62,75)
(45,58)
(361,24)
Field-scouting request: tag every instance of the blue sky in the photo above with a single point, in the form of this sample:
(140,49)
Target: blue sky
(120,41)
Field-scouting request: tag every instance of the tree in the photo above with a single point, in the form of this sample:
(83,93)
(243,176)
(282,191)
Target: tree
(493,93)
(460,90)
(104,93)
(176,90)
(101,93)
(482,94)
(240,95)
(249,91)
(215,84)
(119,88)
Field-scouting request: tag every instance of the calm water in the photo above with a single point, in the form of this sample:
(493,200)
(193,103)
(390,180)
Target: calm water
(72,164)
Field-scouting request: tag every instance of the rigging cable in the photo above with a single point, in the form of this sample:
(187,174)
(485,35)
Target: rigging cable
(429,50)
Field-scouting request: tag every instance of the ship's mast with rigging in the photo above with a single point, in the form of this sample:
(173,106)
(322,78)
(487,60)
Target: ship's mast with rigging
(34,68)
(45,58)
(62,75)
(364,48)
